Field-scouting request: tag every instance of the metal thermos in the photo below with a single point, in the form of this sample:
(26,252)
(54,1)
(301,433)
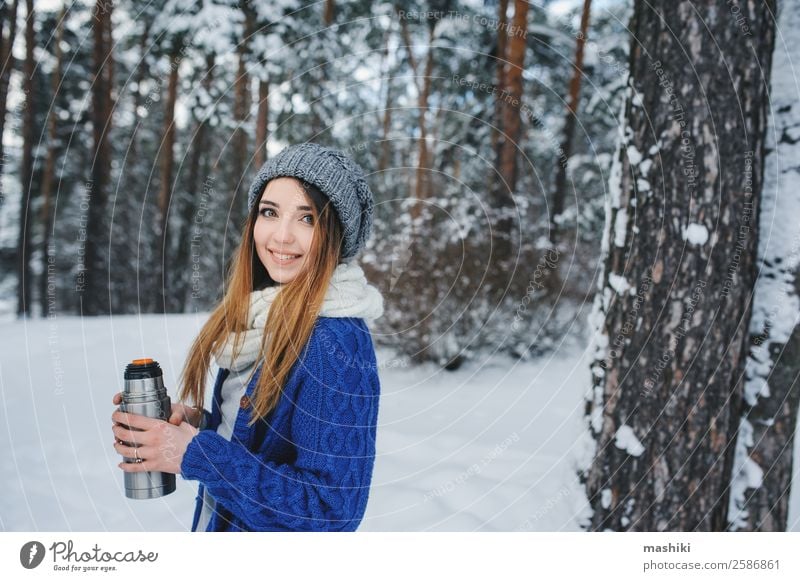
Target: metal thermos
(144,394)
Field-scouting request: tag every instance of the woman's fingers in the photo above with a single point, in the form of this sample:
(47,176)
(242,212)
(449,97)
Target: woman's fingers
(117,399)
(182,413)
(145,466)
(142,456)
(159,450)
(130,436)
(178,414)
(135,420)
(132,452)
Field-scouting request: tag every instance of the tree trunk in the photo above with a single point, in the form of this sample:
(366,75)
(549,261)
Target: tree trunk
(573,99)
(48,179)
(241,108)
(26,172)
(109,67)
(262,123)
(765,445)
(386,123)
(500,86)
(167,166)
(423,90)
(92,279)
(6,64)
(423,163)
(139,78)
(240,156)
(330,10)
(416,259)
(510,142)
(321,73)
(513,92)
(386,127)
(190,237)
(127,298)
(674,300)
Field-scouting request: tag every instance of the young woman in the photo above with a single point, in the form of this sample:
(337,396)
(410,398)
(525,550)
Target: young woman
(289,443)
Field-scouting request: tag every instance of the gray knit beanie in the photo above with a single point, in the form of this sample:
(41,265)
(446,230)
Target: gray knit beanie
(337,176)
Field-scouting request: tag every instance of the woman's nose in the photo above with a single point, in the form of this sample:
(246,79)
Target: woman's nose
(284,232)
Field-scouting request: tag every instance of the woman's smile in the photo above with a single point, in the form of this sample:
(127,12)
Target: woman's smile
(283,259)
(284,229)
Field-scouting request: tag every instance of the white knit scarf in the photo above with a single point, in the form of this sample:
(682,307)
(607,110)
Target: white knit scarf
(348,295)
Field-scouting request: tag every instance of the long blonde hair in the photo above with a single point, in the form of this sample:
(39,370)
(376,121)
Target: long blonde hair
(291,318)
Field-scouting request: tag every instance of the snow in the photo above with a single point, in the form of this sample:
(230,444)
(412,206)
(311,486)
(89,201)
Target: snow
(695,234)
(492,446)
(634,156)
(626,440)
(746,474)
(564,7)
(776,305)
(618,283)
(757,370)
(612,199)
(620,227)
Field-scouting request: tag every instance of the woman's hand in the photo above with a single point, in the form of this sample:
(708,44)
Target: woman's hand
(184,413)
(178,412)
(157,446)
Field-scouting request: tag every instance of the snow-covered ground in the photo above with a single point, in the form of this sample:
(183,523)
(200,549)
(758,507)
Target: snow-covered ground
(491,446)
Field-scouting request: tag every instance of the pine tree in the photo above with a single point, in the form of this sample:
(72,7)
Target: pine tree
(670,316)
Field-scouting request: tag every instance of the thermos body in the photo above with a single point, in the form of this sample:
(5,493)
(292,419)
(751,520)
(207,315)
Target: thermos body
(144,394)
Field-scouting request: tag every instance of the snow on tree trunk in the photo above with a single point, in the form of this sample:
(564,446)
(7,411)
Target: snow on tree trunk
(762,474)
(672,311)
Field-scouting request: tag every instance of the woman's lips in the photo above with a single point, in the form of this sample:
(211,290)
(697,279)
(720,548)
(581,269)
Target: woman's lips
(283,261)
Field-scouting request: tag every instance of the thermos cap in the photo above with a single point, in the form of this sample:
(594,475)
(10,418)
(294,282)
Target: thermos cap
(144,368)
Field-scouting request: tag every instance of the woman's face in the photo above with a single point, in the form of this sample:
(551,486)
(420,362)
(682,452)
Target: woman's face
(284,229)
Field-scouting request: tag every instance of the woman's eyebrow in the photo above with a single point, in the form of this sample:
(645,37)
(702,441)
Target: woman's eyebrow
(270,203)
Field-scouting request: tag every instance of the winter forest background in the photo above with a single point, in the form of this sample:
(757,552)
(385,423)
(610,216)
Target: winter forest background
(586,226)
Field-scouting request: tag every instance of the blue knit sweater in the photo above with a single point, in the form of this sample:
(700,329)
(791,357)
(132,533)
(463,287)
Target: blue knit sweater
(307,465)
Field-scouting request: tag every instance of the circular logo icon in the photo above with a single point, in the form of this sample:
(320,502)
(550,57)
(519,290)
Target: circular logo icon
(31,554)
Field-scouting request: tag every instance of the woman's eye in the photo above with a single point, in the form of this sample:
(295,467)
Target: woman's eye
(264,212)
(309,218)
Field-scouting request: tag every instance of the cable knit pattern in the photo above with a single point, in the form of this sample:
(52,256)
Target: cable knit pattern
(308,464)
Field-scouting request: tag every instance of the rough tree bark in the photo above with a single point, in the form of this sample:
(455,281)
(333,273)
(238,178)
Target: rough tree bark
(241,109)
(386,121)
(500,81)
(166,185)
(674,301)
(262,123)
(6,65)
(320,73)
(26,172)
(559,192)
(422,80)
(765,445)
(48,178)
(190,235)
(511,104)
(92,277)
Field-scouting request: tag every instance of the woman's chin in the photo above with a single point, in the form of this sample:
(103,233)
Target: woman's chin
(283,274)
